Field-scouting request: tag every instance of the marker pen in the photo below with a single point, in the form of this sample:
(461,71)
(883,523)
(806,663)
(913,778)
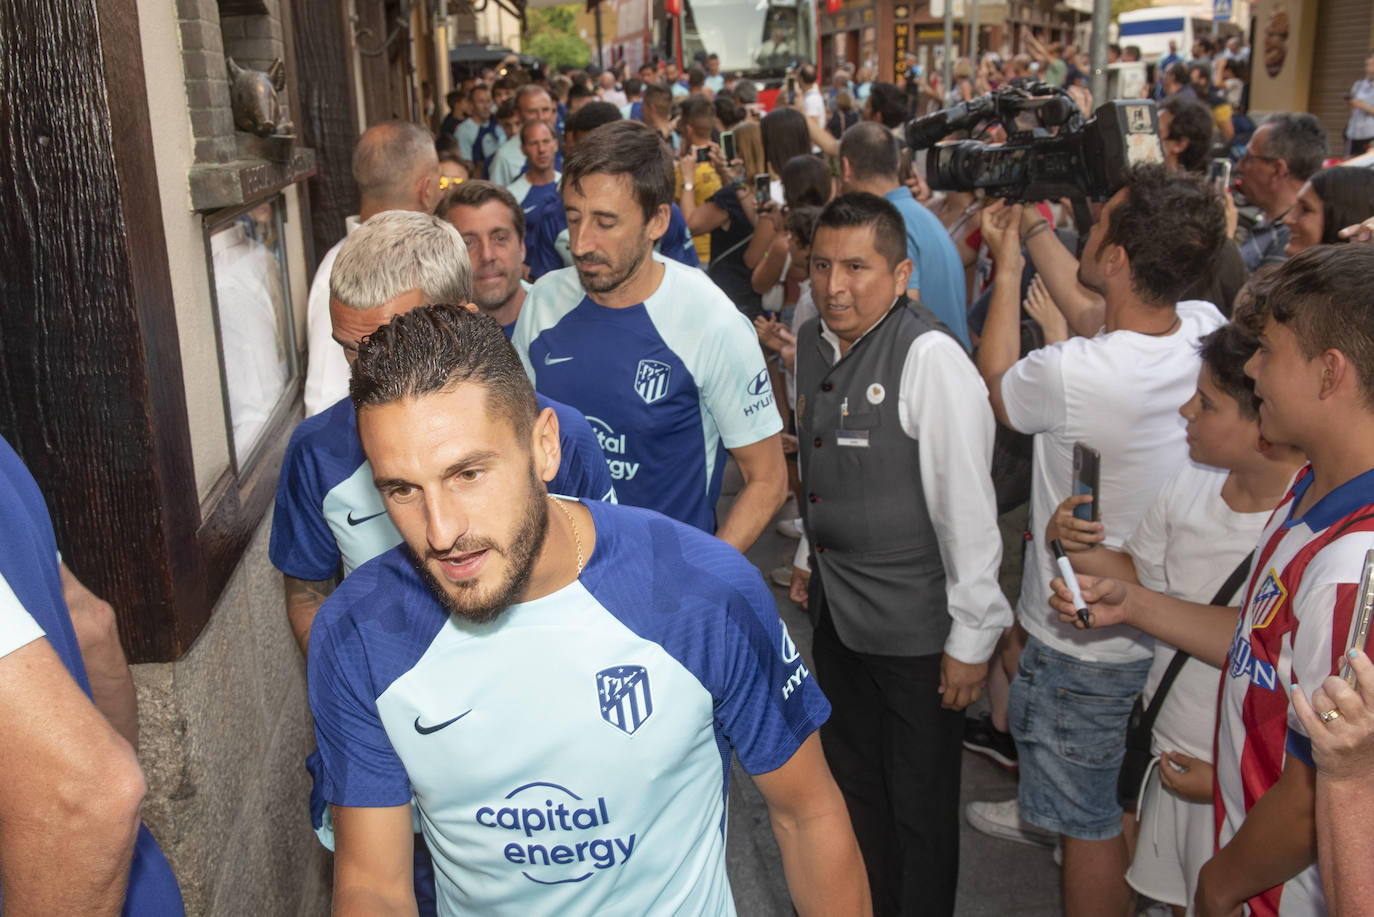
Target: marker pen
(1066,571)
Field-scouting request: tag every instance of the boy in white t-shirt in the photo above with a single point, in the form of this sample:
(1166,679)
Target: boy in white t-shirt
(1118,392)
(1201,527)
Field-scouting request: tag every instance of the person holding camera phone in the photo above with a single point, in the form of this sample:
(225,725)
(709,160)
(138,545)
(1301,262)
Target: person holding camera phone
(1118,391)
(1193,543)
(1315,379)
(727,217)
(699,179)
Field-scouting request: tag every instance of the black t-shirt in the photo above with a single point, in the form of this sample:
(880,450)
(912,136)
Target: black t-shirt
(727,268)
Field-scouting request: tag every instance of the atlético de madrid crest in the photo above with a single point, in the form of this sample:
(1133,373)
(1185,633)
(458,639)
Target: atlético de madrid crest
(651,380)
(623,692)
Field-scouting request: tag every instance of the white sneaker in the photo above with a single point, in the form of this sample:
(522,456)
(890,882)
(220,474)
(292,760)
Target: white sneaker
(1003,819)
(789,528)
(782,576)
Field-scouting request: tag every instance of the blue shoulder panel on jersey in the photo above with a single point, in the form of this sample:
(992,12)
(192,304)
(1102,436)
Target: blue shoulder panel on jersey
(323,452)
(582,472)
(28,560)
(708,607)
(369,632)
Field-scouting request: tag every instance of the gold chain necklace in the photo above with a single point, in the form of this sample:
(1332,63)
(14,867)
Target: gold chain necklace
(577,536)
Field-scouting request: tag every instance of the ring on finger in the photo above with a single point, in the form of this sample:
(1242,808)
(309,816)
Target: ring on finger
(1329,715)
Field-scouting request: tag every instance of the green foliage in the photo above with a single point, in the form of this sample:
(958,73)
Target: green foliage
(551,34)
(1125,6)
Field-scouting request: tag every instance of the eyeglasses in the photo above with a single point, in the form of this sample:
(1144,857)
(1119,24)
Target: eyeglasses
(1247,156)
(445,182)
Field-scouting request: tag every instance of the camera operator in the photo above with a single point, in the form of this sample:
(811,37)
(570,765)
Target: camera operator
(1118,392)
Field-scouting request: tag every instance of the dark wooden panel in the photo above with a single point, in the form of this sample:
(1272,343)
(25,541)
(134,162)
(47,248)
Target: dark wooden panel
(326,116)
(90,386)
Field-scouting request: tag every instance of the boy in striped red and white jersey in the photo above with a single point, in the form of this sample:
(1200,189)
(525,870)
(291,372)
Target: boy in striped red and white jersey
(1314,372)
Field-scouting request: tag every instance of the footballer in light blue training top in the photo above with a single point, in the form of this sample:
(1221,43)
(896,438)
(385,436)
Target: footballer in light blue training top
(557,685)
(667,371)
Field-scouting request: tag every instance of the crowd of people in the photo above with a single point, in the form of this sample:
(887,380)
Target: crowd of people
(548,330)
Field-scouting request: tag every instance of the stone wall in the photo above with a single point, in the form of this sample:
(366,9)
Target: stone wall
(224,735)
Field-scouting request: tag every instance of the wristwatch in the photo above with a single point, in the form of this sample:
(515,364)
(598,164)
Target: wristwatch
(687,186)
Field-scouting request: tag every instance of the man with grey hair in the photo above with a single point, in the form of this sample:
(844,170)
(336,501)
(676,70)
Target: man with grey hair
(396,168)
(1282,155)
(329,518)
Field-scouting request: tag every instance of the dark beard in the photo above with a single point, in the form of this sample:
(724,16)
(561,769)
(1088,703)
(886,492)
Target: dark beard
(614,279)
(521,552)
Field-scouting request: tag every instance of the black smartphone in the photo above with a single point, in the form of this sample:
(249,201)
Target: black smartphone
(791,89)
(727,146)
(1087,469)
(1219,174)
(703,154)
(762,188)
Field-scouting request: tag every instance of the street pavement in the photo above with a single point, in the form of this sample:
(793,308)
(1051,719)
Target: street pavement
(997,878)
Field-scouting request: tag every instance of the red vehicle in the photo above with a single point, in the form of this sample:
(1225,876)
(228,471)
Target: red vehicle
(759,40)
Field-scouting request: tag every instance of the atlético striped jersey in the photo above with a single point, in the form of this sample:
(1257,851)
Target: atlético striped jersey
(1293,628)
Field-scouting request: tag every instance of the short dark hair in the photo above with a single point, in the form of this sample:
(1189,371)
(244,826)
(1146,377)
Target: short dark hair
(887,102)
(504,83)
(699,113)
(1178,72)
(590,116)
(784,135)
(1299,139)
(806,182)
(1225,352)
(1347,195)
(476,193)
(1191,121)
(633,86)
(431,348)
(1171,226)
(727,112)
(871,151)
(1322,296)
(579,91)
(800,222)
(506,110)
(659,98)
(627,148)
(454,96)
(696,76)
(856,209)
(806,73)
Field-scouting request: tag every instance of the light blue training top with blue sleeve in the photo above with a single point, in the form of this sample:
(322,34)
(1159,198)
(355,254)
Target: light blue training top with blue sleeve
(571,757)
(668,384)
(936,270)
(328,511)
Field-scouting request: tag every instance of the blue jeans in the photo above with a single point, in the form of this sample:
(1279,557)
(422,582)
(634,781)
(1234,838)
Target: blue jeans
(1068,718)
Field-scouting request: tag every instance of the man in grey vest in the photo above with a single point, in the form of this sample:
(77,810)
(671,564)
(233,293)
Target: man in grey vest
(896,450)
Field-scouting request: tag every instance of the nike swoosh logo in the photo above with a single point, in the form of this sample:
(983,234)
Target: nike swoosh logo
(352,521)
(426,730)
(550,359)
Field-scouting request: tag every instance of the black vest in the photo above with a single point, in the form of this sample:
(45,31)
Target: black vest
(872,542)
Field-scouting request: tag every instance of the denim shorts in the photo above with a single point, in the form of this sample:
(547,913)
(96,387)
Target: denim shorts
(1068,718)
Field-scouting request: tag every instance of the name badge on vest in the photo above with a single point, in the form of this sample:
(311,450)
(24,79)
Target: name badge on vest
(852,438)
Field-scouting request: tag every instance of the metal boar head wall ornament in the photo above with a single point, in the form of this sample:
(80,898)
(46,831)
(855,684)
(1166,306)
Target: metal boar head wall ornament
(258,101)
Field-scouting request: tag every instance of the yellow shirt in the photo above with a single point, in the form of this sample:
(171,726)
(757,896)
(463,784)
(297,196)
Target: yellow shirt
(705,183)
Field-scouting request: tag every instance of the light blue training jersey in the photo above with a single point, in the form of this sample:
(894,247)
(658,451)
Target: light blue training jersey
(571,757)
(668,384)
(329,514)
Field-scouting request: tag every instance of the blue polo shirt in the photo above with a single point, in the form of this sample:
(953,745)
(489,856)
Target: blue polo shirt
(936,269)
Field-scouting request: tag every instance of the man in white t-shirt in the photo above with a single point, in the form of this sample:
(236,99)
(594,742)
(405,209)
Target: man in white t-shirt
(1117,392)
(396,168)
(813,103)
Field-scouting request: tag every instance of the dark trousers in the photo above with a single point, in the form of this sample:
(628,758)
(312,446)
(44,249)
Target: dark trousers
(896,756)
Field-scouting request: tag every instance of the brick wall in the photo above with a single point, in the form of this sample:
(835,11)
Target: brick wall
(207,38)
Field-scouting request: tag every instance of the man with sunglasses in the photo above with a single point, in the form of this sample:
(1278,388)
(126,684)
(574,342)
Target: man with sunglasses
(396,168)
(1281,157)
